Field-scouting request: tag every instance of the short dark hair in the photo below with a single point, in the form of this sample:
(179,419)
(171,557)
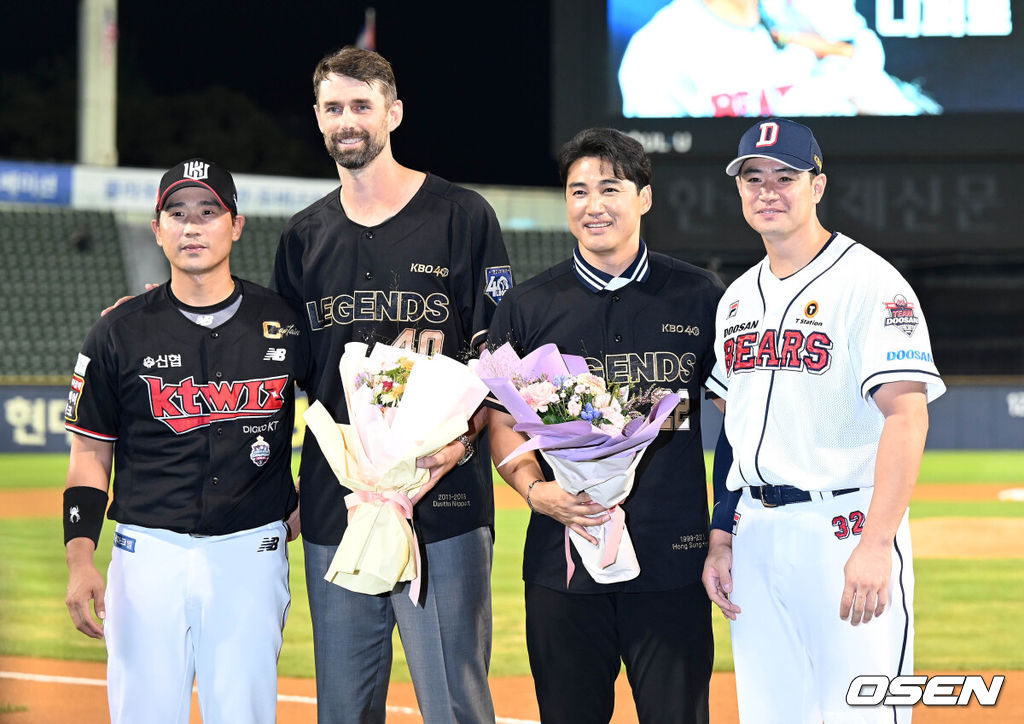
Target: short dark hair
(626,155)
(365,65)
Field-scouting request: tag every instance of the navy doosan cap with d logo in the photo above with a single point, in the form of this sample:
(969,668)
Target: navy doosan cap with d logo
(204,174)
(785,141)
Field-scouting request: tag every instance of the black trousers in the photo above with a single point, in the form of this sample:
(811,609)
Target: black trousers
(577,643)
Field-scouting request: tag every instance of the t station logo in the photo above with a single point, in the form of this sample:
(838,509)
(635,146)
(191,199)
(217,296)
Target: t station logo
(187,405)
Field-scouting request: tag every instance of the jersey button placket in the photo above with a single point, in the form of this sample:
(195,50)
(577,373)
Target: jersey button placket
(614,316)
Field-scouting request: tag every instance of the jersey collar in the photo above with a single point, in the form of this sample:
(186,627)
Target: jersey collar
(598,281)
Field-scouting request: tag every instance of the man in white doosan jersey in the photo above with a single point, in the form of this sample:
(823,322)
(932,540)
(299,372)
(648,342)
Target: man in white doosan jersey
(827,369)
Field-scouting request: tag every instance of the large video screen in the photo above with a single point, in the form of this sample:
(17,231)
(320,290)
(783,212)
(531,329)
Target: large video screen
(942,78)
(714,58)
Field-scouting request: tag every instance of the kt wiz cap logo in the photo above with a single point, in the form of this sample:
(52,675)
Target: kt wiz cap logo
(196,170)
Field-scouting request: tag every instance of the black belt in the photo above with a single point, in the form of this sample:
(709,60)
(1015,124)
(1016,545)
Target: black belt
(772,496)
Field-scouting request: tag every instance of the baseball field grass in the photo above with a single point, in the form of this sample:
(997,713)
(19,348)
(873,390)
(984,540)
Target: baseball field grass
(968,609)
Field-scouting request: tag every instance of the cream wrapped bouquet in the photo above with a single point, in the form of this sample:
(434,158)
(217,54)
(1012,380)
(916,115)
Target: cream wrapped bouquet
(374,456)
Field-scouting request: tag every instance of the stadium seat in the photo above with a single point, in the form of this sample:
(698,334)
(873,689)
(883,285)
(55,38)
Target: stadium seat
(53,291)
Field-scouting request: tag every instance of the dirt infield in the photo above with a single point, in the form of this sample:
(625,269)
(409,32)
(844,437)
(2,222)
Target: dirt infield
(57,692)
(968,537)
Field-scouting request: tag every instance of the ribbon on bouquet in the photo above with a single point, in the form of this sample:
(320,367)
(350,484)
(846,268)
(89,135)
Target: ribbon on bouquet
(608,482)
(379,548)
(400,502)
(375,455)
(616,527)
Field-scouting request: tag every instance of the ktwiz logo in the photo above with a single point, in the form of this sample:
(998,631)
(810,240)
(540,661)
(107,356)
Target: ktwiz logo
(929,690)
(195,170)
(187,405)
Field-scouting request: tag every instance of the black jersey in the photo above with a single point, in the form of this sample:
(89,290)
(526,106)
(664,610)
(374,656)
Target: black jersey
(657,332)
(201,418)
(429,279)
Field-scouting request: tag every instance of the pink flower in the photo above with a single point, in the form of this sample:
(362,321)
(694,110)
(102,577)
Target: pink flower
(613,418)
(539,395)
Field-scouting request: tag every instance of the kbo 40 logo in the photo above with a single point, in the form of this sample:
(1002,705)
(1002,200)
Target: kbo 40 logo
(929,690)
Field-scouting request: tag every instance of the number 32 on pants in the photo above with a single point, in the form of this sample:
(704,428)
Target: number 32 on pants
(846,525)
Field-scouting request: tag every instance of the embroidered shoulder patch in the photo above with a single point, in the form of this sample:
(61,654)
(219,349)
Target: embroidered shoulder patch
(901,315)
(498,280)
(74,396)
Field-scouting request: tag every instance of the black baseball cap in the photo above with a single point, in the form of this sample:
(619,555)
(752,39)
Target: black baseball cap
(202,173)
(786,141)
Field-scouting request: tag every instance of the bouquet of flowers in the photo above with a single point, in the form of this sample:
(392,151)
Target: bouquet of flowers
(401,406)
(591,433)
(387,384)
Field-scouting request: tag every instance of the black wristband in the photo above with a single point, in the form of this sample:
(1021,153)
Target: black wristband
(84,508)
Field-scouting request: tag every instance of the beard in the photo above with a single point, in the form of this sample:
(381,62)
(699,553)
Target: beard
(354,158)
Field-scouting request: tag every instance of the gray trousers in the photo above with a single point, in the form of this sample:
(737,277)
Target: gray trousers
(447,642)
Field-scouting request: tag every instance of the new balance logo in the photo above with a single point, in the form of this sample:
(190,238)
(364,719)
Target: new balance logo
(195,170)
(275,354)
(268,544)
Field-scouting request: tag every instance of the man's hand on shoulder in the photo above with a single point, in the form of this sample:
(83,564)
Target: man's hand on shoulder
(122,300)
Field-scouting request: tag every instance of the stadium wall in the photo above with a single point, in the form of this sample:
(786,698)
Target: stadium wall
(974,414)
(133,191)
